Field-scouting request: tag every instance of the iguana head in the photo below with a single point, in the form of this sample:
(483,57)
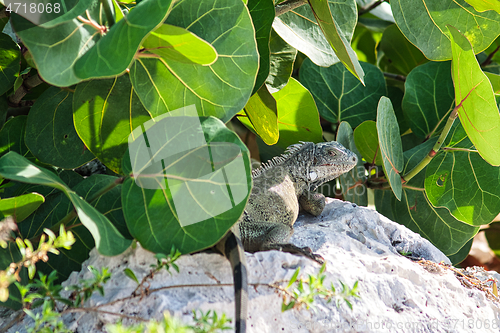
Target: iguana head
(329,160)
(311,164)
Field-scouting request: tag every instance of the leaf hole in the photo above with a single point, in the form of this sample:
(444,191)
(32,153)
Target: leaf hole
(441,180)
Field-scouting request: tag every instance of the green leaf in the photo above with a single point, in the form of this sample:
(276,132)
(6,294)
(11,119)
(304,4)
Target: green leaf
(340,96)
(108,240)
(423,23)
(113,53)
(400,52)
(262,12)
(69,10)
(178,44)
(463,252)
(396,95)
(293,278)
(334,35)
(429,97)
(463,182)
(109,204)
(478,112)
(483,5)
(10,61)
(163,85)
(105,113)
(128,272)
(262,111)
(366,139)
(352,182)
(191,182)
(281,63)
(297,115)
(300,29)
(12,137)
(50,133)
(390,144)
(416,212)
(22,206)
(56,49)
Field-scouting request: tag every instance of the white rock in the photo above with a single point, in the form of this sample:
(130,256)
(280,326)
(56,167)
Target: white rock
(397,294)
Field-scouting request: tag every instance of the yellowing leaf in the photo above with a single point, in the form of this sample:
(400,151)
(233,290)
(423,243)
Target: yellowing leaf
(262,112)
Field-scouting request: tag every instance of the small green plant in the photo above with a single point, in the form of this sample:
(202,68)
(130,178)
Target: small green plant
(30,256)
(86,288)
(208,322)
(48,321)
(307,290)
(162,261)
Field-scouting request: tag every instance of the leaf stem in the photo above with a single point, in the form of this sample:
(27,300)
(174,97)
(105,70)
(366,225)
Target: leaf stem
(487,61)
(437,146)
(460,149)
(288,5)
(107,5)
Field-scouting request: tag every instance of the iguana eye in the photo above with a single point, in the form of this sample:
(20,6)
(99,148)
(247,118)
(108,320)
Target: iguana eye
(332,153)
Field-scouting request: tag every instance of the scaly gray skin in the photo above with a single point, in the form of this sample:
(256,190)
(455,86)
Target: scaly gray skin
(280,188)
(285,185)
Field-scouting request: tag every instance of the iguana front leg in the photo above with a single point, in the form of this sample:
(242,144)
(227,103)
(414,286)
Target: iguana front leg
(313,203)
(264,236)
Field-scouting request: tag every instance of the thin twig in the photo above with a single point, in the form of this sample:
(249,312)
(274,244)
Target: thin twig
(395,76)
(487,61)
(288,5)
(370,7)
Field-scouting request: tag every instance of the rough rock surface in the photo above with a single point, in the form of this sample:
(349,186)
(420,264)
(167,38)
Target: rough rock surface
(397,294)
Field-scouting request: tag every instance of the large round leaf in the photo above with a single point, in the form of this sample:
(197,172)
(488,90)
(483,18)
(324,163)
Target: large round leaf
(113,53)
(400,52)
(105,112)
(56,49)
(50,133)
(190,181)
(424,22)
(429,97)
(340,96)
(221,89)
(461,181)
(416,212)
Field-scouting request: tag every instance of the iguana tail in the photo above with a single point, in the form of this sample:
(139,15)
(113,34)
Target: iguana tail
(234,252)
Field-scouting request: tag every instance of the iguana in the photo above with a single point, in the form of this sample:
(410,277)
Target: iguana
(280,187)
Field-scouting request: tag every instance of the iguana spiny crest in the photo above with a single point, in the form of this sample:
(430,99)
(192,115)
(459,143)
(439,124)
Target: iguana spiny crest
(311,165)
